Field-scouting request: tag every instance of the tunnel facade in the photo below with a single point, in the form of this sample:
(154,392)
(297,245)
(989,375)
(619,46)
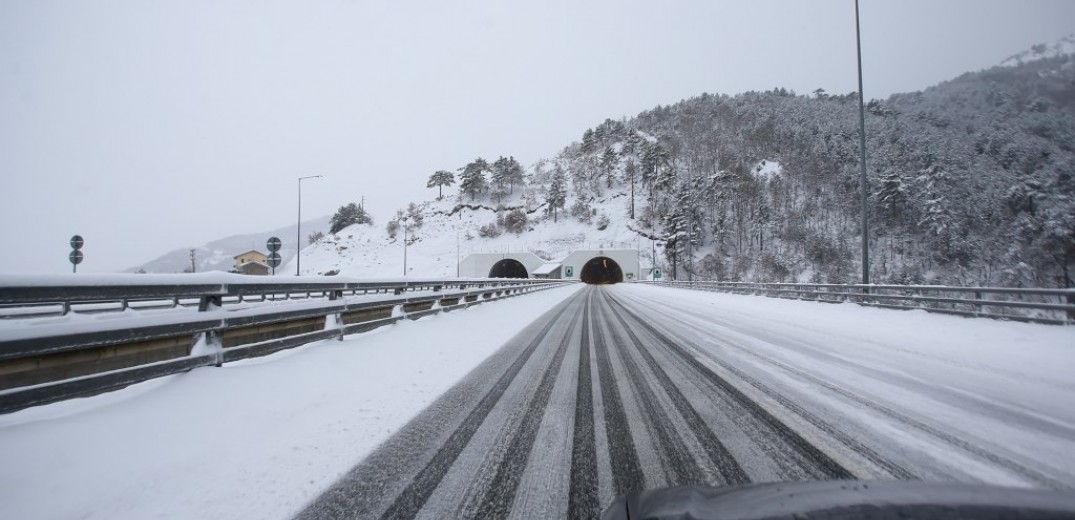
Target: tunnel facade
(601,270)
(588,265)
(479,265)
(508,268)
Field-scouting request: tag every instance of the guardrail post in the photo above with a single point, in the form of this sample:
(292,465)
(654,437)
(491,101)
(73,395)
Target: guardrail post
(334,321)
(977,304)
(209,302)
(1071,312)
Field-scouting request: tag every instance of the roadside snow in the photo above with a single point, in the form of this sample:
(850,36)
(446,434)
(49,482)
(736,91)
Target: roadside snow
(254,439)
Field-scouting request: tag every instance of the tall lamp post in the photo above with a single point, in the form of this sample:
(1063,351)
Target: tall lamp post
(298,232)
(862,158)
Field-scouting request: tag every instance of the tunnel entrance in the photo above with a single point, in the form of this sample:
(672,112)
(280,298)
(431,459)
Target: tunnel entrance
(508,268)
(601,270)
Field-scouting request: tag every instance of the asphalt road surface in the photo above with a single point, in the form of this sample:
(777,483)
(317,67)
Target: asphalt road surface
(609,393)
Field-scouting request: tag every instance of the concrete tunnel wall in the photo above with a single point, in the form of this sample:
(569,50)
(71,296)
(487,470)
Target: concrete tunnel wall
(627,260)
(478,265)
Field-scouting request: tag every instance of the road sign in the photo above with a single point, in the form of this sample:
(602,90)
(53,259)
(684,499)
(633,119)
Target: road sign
(569,271)
(273,244)
(75,257)
(274,260)
(76,242)
(656,274)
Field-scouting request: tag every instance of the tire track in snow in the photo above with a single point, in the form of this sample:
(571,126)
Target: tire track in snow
(583,497)
(414,496)
(677,461)
(824,466)
(495,501)
(717,452)
(626,468)
(839,435)
(999,460)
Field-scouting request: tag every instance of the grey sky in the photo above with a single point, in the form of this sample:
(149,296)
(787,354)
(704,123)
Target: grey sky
(152,125)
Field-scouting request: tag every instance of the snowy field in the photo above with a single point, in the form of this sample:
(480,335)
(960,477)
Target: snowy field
(259,439)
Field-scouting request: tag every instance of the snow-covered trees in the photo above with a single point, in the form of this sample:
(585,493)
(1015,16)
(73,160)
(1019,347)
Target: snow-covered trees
(970,181)
(556,196)
(514,221)
(348,215)
(440,179)
(505,172)
(472,179)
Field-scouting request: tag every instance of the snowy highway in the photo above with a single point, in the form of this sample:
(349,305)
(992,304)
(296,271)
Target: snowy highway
(625,388)
(549,405)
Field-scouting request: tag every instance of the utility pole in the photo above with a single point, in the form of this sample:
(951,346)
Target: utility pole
(404,248)
(192,265)
(862,157)
(298,230)
(690,227)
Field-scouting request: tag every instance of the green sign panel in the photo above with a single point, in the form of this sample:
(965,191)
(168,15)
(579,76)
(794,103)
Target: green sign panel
(569,271)
(656,274)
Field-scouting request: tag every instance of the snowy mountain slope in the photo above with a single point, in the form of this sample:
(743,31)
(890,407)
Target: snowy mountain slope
(218,255)
(451,230)
(1042,51)
(969,183)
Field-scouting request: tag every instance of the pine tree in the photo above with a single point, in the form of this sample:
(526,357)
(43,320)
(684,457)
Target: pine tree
(609,160)
(629,175)
(515,174)
(440,179)
(556,197)
(348,215)
(499,175)
(472,179)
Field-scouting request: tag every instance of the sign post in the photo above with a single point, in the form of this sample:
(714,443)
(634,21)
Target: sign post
(273,246)
(76,255)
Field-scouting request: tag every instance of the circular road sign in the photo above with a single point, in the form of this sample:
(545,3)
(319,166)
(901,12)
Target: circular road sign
(75,257)
(76,242)
(273,244)
(274,260)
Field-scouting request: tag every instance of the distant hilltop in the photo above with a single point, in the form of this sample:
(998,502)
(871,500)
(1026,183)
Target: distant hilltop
(1041,51)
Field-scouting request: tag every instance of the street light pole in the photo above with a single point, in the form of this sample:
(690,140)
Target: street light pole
(298,231)
(862,158)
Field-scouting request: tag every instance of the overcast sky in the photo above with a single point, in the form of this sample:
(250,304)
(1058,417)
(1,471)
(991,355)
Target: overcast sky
(148,126)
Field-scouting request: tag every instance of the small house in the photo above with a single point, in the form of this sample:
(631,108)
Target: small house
(252,262)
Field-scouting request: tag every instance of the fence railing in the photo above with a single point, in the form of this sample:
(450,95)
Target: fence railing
(52,348)
(1053,306)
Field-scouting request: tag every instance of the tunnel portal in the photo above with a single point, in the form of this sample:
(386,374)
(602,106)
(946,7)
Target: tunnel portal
(601,270)
(508,268)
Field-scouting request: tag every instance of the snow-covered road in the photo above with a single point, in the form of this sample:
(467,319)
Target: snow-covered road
(611,389)
(631,387)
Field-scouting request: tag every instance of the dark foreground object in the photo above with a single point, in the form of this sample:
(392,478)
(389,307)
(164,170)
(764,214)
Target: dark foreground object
(842,500)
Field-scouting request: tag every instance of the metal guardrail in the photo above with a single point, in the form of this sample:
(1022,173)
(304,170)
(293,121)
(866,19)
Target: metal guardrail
(44,299)
(45,360)
(1052,306)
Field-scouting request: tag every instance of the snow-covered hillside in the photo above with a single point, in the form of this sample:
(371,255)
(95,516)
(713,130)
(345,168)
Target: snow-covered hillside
(450,231)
